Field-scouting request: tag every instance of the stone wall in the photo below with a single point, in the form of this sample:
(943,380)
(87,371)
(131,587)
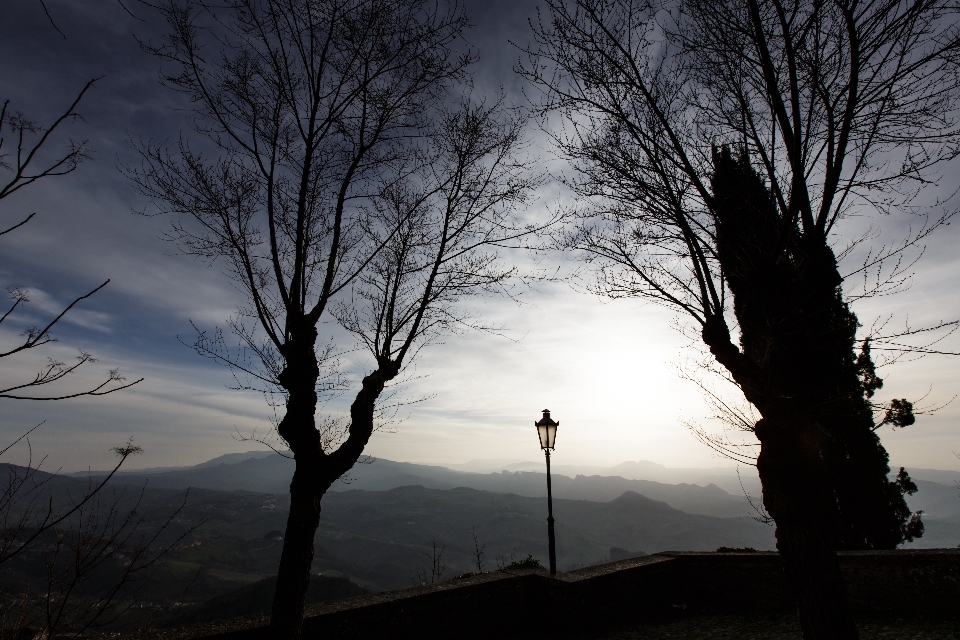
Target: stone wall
(530,603)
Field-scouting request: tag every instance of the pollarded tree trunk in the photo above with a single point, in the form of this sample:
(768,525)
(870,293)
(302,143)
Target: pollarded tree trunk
(822,467)
(298,429)
(315,470)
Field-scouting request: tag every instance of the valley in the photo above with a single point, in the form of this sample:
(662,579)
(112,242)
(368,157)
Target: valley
(380,527)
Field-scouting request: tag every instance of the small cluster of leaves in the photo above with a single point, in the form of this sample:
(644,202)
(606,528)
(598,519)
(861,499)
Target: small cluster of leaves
(527,563)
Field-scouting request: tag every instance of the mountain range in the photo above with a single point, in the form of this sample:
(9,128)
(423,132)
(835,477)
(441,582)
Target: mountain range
(725,495)
(380,538)
(384,523)
(272,473)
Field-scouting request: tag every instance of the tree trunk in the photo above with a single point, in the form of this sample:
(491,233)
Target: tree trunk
(296,560)
(316,470)
(298,429)
(812,570)
(797,494)
(822,467)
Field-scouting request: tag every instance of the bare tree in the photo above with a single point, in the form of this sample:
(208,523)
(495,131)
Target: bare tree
(479,551)
(89,549)
(449,220)
(718,145)
(437,566)
(23,158)
(83,573)
(320,177)
(27,512)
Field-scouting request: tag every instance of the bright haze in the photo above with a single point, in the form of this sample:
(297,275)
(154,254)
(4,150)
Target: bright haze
(610,372)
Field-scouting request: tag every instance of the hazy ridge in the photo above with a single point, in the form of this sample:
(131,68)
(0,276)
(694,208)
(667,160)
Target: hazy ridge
(714,492)
(378,524)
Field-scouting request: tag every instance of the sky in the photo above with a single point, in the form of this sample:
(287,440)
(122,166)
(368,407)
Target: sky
(609,371)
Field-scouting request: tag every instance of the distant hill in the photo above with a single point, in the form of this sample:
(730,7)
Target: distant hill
(631,521)
(936,500)
(271,473)
(268,472)
(378,527)
(386,532)
(234,458)
(379,538)
(933,475)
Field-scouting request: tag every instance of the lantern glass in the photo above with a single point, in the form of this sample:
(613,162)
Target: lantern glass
(547,430)
(544,437)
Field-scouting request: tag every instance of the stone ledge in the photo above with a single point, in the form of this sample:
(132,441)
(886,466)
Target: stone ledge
(596,571)
(500,604)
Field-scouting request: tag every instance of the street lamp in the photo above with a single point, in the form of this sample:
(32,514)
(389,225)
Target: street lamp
(547,431)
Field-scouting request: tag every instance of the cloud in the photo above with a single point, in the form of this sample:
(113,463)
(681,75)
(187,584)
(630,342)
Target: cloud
(606,369)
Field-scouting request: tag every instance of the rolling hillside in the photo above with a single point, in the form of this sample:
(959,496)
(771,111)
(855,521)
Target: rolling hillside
(271,474)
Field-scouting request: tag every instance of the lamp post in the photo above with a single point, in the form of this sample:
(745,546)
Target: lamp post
(547,431)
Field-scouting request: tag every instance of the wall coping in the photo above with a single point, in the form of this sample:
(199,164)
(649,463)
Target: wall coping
(261,620)
(598,570)
(253,625)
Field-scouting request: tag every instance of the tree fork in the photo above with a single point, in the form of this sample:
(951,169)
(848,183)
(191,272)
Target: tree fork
(315,472)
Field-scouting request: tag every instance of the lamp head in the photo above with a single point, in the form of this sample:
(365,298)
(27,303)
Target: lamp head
(547,430)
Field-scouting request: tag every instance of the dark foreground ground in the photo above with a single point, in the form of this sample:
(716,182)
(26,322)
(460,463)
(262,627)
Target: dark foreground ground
(775,627)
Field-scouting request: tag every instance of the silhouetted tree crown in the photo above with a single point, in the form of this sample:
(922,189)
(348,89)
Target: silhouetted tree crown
(716,148)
